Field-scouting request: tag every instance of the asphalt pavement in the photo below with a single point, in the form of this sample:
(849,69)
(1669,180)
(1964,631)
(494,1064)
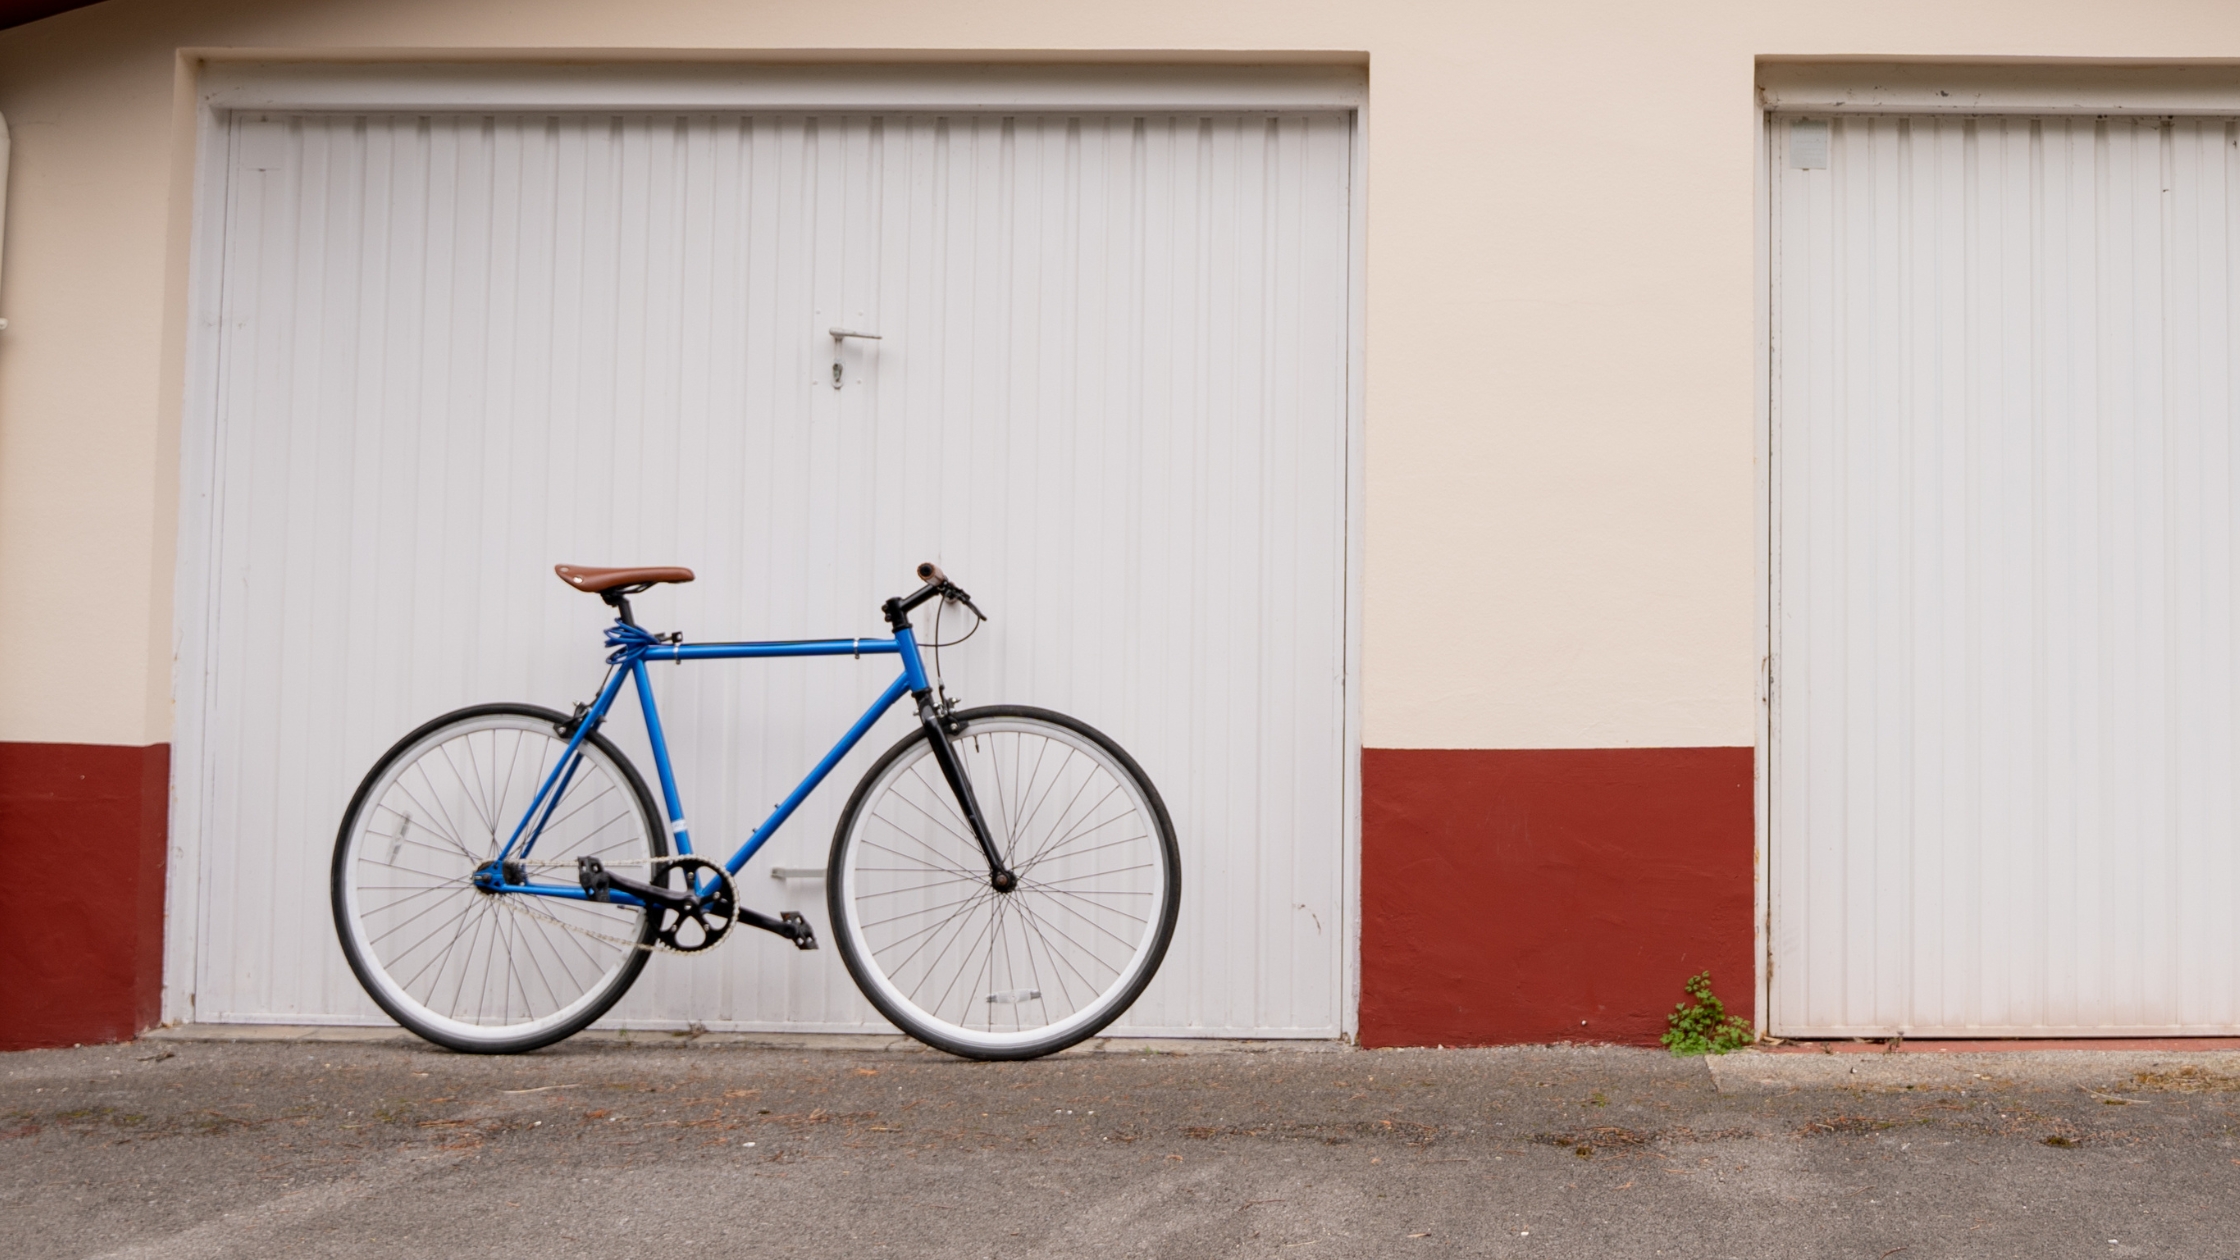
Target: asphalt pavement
(676,1147)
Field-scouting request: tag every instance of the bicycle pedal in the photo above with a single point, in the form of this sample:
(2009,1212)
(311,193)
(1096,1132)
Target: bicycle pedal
(804,936)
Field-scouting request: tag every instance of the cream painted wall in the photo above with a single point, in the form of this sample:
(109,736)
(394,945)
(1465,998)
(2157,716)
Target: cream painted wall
(1560,303)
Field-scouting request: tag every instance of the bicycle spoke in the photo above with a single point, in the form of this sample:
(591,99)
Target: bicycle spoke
(449,863)
(1090,895)
(521,961)
(465,788)
(409,892)
(1078,830)
(583,944)
(943,1000)
(1138,838)
(444,955)
(935,929)
(1074,879)
(988,972)
(505,786)
(603,793)
(1057,777)
(963,830)
(552,994)
(480,788)
(456,834)
(1002,801)
(952,872)
(899,892)
(1035,921)
(934,933)
(958,923)
(395,928)
(1066,905)
(467,968)
(511,980)
(409,870)
(624,843)
(425,825)
(1090,952)
(487,782)
(898,855)
(1012,957)
(911,914)
(546,750)
(1059,966)
(1057,773)
(1052,850)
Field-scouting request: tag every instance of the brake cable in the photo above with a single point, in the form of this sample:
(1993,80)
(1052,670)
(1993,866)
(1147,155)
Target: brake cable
(939,686)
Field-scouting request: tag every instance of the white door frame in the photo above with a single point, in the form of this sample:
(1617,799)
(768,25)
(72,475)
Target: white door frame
(1787,87)
(241,83)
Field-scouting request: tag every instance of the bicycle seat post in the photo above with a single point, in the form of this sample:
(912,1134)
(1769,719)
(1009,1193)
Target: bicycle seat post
(619,600)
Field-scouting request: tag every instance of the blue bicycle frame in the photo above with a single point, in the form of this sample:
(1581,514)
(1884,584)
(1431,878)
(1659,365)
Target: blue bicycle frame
(633,649)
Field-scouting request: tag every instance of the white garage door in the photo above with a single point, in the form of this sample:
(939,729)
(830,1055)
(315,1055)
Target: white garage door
(2007,383)
(1110,398)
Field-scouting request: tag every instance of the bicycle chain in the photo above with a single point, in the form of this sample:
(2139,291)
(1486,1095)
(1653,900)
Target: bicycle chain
(656,946)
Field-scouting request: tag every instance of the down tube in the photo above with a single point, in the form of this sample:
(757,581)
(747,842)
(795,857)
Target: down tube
(895,691)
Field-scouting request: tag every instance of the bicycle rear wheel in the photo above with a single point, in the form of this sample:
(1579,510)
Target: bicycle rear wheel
(491,973)
(1005,975)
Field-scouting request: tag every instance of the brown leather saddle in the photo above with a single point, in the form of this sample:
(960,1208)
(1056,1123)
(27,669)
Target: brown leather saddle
(601,581)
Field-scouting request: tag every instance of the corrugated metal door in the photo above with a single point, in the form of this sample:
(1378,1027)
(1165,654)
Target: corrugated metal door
(2004,640)
(1110,398)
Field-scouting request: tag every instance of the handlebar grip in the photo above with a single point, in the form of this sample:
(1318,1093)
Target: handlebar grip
(931,572)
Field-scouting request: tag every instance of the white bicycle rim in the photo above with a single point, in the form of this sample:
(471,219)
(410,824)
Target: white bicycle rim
(1061,951)
(419,927)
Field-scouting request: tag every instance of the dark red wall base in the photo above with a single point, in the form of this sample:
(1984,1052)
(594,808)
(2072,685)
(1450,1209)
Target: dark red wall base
(1550,895)
(1507,896)
(87,816)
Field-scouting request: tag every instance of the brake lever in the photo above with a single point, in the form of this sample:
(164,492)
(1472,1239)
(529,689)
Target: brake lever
(954,594)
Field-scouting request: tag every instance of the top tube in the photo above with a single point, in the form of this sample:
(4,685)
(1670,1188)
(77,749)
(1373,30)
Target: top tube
(904,644)
(776,647)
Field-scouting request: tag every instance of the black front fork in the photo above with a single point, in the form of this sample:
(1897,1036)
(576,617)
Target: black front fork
(1000,877)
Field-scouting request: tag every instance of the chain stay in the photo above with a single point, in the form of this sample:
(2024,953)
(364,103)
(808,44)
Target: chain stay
(657,945)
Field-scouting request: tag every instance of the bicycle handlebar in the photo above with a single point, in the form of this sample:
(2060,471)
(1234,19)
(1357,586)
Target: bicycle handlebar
(937,583)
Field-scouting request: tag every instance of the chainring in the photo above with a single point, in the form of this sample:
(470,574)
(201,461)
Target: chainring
(704,926)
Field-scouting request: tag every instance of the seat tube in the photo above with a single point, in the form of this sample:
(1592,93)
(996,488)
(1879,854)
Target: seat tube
(660,744)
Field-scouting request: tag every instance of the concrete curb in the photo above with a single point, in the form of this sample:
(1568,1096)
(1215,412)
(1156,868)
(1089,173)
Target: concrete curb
(654,1039)
(2111,1072)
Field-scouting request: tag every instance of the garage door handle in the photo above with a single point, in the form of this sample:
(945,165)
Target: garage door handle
(838,333)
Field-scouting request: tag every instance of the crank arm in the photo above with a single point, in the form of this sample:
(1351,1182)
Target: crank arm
(789,925)
(598,881)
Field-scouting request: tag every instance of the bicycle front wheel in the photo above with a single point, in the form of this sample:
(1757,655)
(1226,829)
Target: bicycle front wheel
(491,973)
(1005,975)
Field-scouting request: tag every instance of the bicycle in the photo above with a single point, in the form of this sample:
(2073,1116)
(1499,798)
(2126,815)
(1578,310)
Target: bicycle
(1002,883)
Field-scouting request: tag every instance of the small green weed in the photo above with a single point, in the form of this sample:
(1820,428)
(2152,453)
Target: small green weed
(1704,1028)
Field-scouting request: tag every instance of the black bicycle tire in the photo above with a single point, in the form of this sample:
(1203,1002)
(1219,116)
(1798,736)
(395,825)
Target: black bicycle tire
(835,891)
(656,832)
